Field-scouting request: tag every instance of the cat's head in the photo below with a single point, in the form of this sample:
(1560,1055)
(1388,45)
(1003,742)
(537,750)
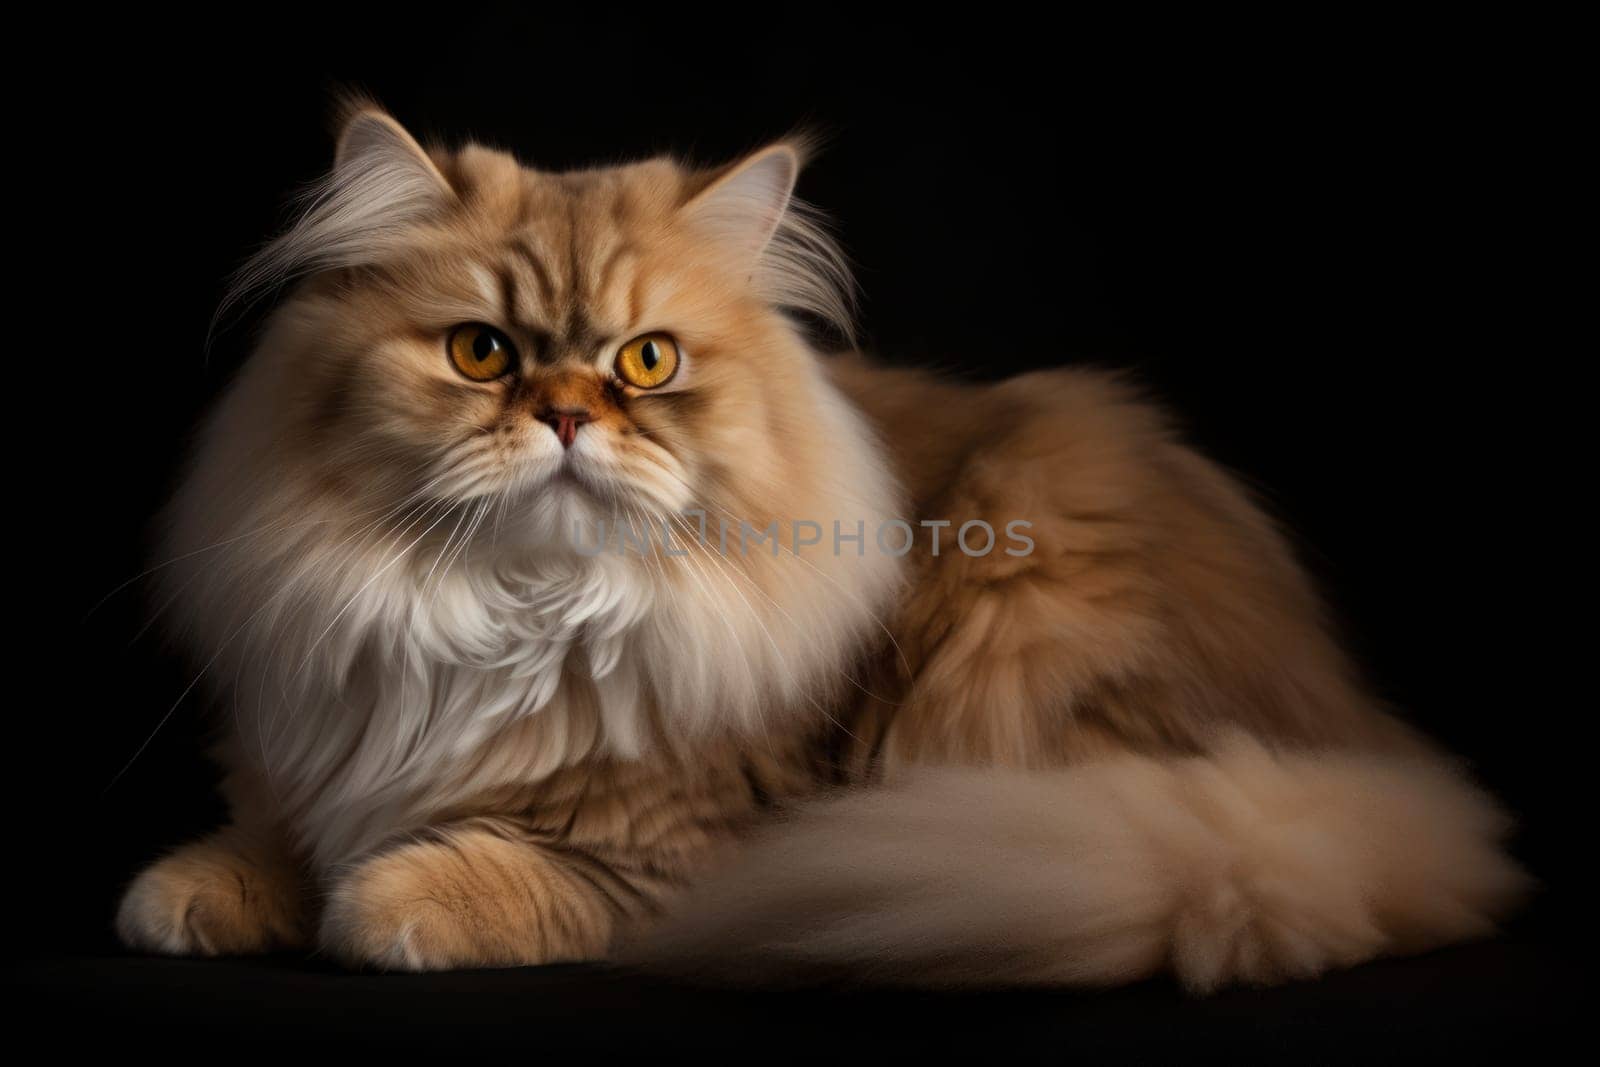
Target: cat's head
(478,366)
(573,345)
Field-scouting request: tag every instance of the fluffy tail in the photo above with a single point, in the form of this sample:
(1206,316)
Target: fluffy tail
(1242,865)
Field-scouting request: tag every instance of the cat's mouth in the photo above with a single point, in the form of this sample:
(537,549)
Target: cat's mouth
(539,468)
(592,478)
(599,470)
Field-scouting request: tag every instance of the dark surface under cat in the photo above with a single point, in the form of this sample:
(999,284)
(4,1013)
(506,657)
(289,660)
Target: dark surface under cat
(1468,1003)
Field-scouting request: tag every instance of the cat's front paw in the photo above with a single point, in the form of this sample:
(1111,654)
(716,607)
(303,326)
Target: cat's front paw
(220,897)
(469,899)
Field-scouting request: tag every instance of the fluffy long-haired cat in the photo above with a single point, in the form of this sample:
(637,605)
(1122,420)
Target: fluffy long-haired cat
(564,604)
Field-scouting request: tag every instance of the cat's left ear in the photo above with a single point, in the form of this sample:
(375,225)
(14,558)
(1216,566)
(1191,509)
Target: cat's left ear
(749,212)
(744,204)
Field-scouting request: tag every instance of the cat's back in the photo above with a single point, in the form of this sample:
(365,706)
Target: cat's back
(1097,439)
(1154,600)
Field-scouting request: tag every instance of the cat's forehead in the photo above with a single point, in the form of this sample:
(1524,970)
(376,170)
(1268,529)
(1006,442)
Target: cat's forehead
(566,249)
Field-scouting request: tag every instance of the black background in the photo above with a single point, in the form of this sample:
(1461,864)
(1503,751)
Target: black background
(1328,247)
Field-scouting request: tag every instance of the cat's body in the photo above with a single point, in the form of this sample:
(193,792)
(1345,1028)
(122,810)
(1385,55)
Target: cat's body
(455,737)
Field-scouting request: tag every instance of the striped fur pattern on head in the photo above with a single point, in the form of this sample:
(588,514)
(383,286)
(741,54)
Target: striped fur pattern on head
(372,206)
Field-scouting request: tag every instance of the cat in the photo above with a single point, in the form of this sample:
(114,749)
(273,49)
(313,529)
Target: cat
(562,603)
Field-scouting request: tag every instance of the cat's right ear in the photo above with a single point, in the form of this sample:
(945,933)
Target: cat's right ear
(382,184)
(376,151)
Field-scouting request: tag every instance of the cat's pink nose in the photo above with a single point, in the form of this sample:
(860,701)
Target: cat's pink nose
(565,422)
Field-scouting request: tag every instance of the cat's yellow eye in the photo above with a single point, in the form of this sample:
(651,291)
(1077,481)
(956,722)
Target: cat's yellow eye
(648,360)
(481,352)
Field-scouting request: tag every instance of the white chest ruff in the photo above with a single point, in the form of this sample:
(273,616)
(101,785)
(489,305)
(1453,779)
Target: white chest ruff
(397,713)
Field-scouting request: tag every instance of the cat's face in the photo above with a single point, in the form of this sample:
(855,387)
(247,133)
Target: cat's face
(573,345)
